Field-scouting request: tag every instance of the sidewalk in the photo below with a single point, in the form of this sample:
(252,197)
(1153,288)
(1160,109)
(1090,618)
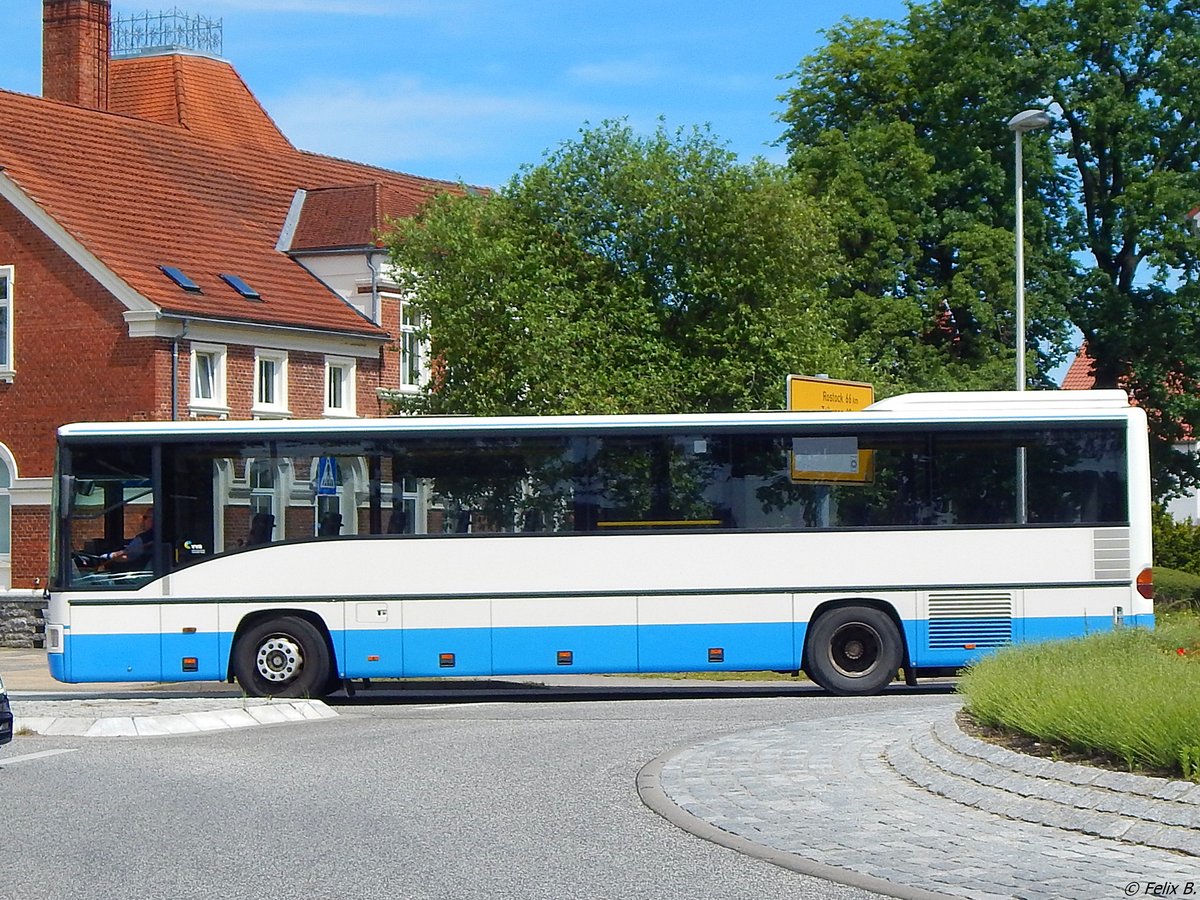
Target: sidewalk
(44,706)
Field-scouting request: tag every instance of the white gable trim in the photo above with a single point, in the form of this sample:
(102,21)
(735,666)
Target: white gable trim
(146,319)
(254,334)
(64,240)
(284,244)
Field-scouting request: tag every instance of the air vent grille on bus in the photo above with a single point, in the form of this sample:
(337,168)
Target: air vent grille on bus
(1110,552)
(957,621)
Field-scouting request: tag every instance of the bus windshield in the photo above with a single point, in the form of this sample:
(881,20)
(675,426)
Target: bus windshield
(109,513)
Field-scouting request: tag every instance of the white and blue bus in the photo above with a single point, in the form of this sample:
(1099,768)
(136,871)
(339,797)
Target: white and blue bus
(300,556)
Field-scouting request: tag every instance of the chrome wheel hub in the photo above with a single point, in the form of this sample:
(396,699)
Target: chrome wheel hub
(279,658)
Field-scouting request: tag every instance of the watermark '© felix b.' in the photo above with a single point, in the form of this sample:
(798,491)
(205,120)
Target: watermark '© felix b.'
(1162,889)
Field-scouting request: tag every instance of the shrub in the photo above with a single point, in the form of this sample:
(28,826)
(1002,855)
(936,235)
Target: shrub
(1131,694)
(1174,589)
(1176,544)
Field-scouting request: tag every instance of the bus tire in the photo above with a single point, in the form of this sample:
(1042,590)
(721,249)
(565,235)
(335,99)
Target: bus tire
(284,657)
(854,651)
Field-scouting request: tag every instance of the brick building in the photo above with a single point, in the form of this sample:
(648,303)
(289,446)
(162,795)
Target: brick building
(166,253)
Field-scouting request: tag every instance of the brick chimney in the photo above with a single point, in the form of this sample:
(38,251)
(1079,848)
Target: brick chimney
(75,51)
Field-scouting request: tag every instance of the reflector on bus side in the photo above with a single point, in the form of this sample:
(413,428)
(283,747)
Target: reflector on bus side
(1145,583)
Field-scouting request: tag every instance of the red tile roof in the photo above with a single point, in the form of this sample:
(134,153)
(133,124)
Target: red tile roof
(339,217)
(203,182)
(204,95)
(1081,375)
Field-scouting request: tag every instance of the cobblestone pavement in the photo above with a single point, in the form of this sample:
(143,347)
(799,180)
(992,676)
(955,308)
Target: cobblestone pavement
(909,808)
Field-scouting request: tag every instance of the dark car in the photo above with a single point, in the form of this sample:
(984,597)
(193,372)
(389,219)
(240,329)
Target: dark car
(6,716)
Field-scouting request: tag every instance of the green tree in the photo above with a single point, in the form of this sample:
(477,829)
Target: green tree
(622,274)
(902,126)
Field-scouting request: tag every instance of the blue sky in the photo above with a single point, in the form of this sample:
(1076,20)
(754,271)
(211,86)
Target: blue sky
(472,89)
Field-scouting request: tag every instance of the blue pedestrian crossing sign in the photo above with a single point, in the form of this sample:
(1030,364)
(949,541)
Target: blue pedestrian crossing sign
(327,476)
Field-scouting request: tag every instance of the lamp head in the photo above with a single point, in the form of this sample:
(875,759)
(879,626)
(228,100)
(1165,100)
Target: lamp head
(1029,120)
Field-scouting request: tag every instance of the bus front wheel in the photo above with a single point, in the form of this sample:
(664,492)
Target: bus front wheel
(854,650)
(284,657)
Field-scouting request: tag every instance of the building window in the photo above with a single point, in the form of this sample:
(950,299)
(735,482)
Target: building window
(339,386)
(6,320)
(208,378)
(270,383)
(411,368)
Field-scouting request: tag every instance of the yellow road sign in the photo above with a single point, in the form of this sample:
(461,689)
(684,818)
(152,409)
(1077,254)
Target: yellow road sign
(815,394)
(837,460)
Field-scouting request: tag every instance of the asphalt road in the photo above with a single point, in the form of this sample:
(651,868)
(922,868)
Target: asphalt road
(451,799)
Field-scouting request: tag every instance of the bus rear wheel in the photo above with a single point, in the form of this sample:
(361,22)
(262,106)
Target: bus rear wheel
(853,650)
(284,657)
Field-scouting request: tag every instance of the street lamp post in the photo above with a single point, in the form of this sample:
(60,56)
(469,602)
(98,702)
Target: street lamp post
(1029,120)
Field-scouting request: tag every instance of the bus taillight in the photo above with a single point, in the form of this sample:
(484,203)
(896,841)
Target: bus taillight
(1145,583)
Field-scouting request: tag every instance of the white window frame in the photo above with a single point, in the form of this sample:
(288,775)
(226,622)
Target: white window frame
(8,471)
(218,402)
(343,372)
(277,405)
(7,368)
(412,377)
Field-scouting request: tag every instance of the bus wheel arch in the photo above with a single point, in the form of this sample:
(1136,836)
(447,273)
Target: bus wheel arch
(854,646)
(283,653)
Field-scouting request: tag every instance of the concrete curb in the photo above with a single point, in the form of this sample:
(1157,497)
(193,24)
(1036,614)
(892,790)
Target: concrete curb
(155,718)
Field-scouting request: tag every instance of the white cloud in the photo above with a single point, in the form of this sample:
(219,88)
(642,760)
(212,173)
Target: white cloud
(399,122)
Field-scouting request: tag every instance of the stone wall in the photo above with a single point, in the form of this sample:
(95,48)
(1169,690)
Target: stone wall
(22,623)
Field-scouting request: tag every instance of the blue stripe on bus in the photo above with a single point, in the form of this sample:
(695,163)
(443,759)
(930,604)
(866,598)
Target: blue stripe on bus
(424,648)
(58,666)
(1025,631)
(592,648)
(1061,627)
(513,651)
(113,657)
(685,648)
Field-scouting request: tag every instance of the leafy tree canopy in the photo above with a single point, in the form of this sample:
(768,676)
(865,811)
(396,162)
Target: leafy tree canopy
(623,274)
(901,127)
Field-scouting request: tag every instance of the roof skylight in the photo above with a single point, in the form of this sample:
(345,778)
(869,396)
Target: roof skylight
(177,276)
(239,284)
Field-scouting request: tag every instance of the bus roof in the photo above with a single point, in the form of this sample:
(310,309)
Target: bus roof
(965,407)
